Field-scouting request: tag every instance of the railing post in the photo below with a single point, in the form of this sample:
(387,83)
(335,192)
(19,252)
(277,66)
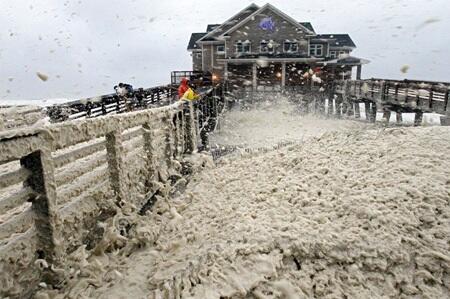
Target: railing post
(47,222)
(182,132)
(117,104)
(190,132)
(150,155)
(168,139)
(447,101)
(357,109)
(430,104)
(418,118)
(445,120)
(179,128)
(367,110)
(114,149)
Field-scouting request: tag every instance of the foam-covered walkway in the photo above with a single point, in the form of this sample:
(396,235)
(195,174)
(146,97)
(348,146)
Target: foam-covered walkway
(348,213)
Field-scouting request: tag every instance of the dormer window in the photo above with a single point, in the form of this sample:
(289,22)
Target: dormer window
(316,50)
(243,46)
(290,46)
(333,54)
(266,47)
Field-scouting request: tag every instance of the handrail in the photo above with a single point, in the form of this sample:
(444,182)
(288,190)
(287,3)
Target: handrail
(60,195)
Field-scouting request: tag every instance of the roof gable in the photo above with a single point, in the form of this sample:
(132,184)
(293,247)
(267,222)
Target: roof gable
(308,26)
(243,14)
(193,41)
(275,10)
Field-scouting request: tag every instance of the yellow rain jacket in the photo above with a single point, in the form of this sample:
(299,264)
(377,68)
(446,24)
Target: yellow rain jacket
(190,95)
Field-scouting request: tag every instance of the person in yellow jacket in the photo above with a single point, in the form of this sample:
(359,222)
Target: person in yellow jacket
(190,95)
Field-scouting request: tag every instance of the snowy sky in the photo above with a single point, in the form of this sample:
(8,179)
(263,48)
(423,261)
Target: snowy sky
(85,47)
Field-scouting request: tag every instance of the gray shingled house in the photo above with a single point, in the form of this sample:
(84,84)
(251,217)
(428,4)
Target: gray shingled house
(264,46)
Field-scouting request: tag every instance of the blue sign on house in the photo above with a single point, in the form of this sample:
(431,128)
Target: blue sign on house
(267,24)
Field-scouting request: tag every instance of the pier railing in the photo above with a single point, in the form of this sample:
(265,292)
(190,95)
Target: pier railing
(396,96)
(58,182)
(113,104)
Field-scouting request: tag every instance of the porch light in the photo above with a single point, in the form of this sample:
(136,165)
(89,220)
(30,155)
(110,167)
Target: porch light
(214,77)
(278,75)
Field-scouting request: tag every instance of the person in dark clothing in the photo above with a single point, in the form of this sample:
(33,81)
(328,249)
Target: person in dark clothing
(125,93)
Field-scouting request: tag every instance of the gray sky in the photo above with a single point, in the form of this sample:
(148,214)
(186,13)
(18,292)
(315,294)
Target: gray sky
(85,47)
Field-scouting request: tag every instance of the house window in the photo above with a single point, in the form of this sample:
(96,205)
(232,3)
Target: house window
(221,49)
(239,47)
(316,50)
(290,47)
(267,47)
(198,55)
(243,47)
(264,47)
(333,54)
(343,54)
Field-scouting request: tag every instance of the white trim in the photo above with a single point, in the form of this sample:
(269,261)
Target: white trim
(212,57)
(226,49)
(269,59)
(210,42)
(203,58)
(340,48)
(221,25)
(334,61)
(274,9)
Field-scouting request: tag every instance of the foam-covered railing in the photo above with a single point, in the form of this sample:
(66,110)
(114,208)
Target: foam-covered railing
(57,180)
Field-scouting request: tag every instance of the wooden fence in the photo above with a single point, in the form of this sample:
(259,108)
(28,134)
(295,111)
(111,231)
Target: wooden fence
(112,104)
(395,96)
(56,183)
(14,117)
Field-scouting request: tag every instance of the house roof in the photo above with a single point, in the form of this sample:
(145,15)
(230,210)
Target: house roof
(274,10)
(338,40)
(308,26)
(243,14)
(211,27)
(194,38)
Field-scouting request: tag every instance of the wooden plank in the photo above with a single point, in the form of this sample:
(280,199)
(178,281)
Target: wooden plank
(79,153)
(18,146)
(13,177)
(16,199)
(132,134)
(15,244)
(17,224)
(71,174)
(69,192)
(74,132)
